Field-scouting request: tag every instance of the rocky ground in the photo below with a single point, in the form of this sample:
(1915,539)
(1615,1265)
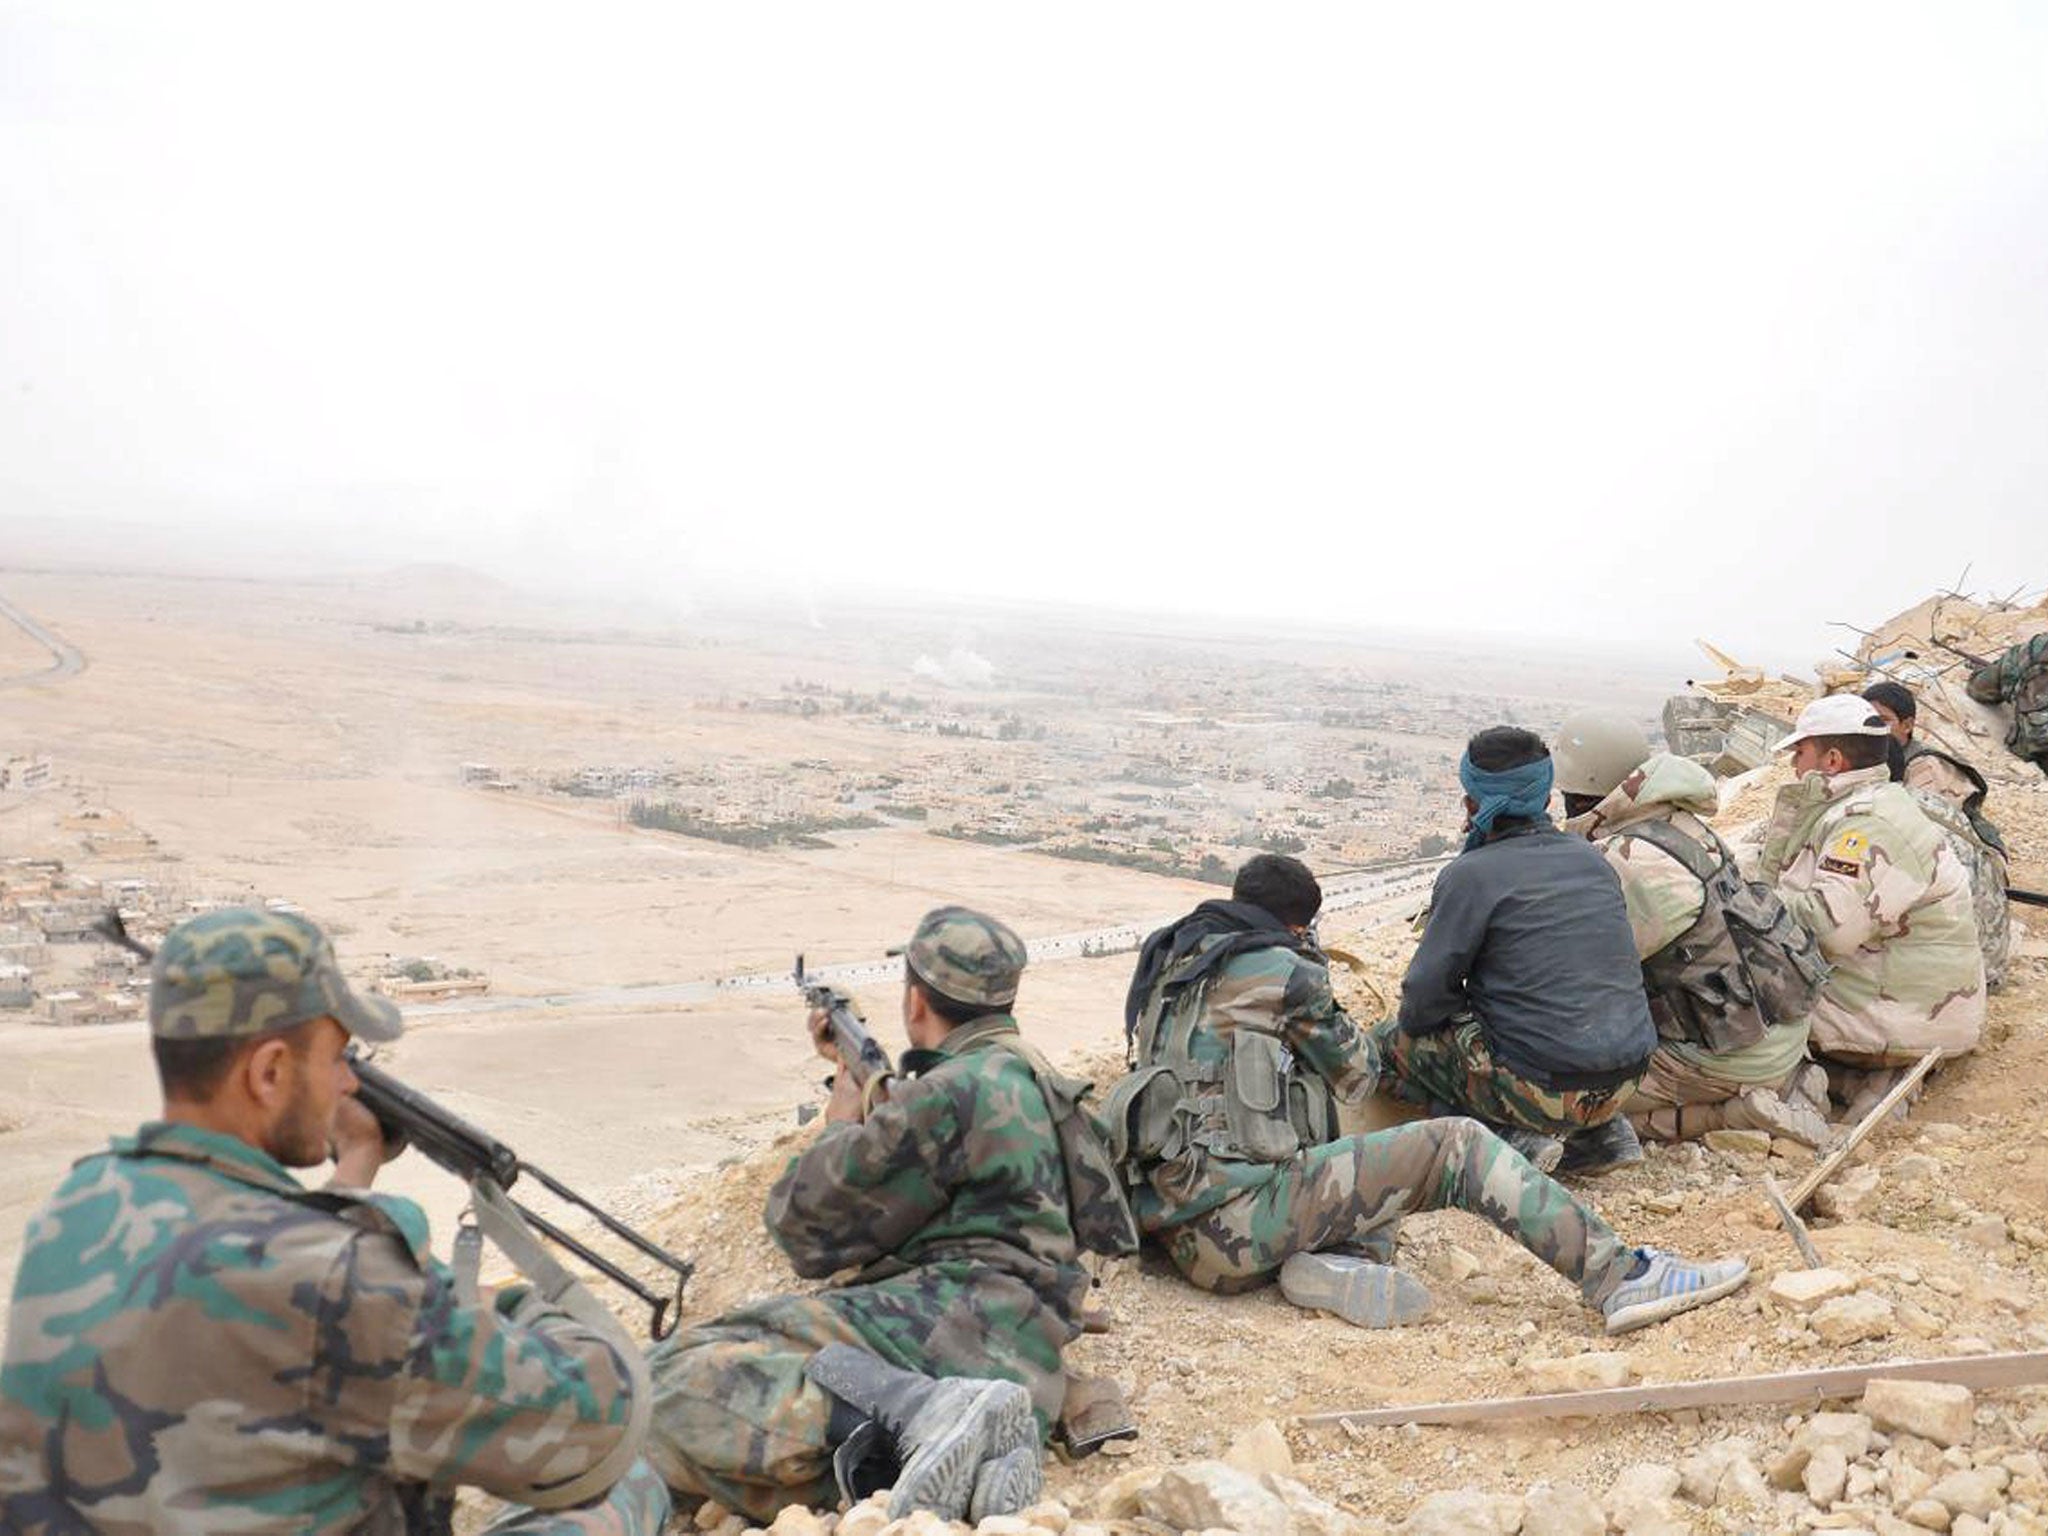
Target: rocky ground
(1935,1241)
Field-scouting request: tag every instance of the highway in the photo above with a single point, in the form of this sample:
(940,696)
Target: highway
(1395,882)
(68,660)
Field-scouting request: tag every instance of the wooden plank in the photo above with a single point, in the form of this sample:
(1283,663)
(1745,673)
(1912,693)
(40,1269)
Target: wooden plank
(1832,1163)
(1794,1227)
(2027,1368)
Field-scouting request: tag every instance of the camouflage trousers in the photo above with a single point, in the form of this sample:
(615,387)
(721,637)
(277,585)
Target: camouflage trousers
(638,1505)
(736,1419)
(1678,1101)
(1352,1193)
(1453,1067)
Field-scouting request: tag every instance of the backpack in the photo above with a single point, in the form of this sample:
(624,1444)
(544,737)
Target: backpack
(1744,965)
(1096,1206)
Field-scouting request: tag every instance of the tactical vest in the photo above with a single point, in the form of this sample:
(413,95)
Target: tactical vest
(1253,1106)
(1744,965)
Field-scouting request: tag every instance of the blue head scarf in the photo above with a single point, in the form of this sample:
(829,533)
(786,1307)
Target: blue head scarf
(1522,792)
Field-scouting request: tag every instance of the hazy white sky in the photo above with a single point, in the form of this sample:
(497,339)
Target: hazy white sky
(1609,322)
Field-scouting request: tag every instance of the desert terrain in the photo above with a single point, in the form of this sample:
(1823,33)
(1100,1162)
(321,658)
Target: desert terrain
(435,766)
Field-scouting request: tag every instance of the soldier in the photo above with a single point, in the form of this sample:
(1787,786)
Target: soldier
(2020,678)
(199,1342)
(1523,1006)
(1858,862)
(1952,793)
(962,1192)
(1227,1130)
(1730,1000)
(1929,768)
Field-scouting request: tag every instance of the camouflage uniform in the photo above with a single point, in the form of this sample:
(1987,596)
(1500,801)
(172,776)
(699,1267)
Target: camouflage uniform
(2020,678)
(1858,862)
(952,1200)
(1455,1067)
(1687,1089)
(1985,867)
(1229,1215)
(198,1342)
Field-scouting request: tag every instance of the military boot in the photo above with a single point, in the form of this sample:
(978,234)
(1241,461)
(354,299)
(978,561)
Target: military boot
(1605,1147)
(941,1432)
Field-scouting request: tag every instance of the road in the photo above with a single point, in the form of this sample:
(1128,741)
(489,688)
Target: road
(68,660)
(1363,888)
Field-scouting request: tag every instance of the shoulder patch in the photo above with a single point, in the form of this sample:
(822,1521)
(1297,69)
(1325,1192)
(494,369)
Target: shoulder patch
(1848,845)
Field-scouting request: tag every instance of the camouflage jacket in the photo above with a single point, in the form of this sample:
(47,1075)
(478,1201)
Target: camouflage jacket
(199,1343)
(950,1200)
(1858,862)
(1664,900)
(1266,1020)
(2019,678)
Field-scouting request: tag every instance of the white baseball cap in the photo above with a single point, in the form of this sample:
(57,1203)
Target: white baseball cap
(1839,714)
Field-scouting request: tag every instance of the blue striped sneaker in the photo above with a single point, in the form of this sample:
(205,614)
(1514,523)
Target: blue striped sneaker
(1364,1294)
(1668,1286)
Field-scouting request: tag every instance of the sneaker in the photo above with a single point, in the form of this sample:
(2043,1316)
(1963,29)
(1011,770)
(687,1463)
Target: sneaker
(1759,1109)
(1668,1286)
(1603,1148)
(1364,1294)
(1546,1152)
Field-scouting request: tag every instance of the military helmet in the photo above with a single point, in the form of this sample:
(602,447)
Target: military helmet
(1596,749)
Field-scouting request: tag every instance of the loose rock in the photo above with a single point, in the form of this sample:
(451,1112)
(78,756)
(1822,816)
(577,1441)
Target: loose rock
(1974,1491)
(1260,1449)
(1462,1512)
(795,1520)
(1826,1475)
(1201,1494)
(1851,1319)
(1740,1144)
(1562,1509)
(1934,1410)
(1928,1514)
(1802,1290)
(1845,1198)
(1643,1487)
(1581,1373)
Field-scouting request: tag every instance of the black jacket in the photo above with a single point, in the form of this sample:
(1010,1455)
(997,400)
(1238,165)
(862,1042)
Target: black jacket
(1530,935)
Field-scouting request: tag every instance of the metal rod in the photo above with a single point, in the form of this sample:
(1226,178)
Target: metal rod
(611,1223)
(2029,1368)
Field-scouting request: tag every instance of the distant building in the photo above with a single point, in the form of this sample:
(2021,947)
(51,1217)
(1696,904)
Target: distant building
(17,988)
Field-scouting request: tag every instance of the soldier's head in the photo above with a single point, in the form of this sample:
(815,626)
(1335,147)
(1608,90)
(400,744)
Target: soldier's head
(248,1020)
(1837,734)
(1596,750)
(1281,885)
(1896,706)
(957,966)
(1507,773)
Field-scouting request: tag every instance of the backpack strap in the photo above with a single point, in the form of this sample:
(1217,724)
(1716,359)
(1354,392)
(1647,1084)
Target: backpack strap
(1686,850)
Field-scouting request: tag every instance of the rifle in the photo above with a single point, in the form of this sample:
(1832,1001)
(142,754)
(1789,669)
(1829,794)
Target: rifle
(1977,663)
(443,1137)
(410,1118)
(859,1052)
(2026,898)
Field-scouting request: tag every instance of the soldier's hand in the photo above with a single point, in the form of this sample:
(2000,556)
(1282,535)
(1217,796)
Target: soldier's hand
(820,1025)
(357,1143)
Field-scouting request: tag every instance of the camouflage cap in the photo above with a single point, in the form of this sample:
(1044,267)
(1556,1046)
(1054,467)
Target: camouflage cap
(241,971)
(967,956)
